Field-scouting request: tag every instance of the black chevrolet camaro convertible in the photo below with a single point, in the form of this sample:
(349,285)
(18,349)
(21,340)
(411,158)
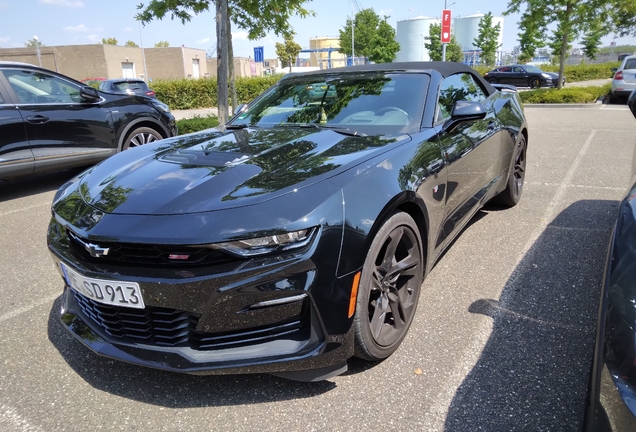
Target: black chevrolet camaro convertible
(294,237)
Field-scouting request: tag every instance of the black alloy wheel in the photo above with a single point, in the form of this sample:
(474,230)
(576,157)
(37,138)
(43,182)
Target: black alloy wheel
(493,81)
(389,288)
(512,194)
(141,136)
(534,83)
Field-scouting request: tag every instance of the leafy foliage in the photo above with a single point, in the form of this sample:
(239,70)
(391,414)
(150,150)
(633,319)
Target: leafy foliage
(486,39)
(109,41)
(32,43)
(201,93)
(454,52)
(566,95)
(196,124)
(373,37)
(130,43)
(287,51)
(591,19)
(162,44)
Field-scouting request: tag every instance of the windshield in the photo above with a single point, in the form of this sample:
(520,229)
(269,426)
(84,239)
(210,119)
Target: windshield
(532,69)
(374,103)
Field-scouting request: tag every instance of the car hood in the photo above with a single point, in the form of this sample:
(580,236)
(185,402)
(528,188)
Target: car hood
(213,170)
(553,75)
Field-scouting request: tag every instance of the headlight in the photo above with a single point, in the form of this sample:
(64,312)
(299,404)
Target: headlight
(268,244)
(162,106)
(545,75)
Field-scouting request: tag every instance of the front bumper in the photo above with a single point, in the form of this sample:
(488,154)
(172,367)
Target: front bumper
(203,320)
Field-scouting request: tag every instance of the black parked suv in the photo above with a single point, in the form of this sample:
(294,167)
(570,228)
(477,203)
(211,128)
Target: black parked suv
(49,121)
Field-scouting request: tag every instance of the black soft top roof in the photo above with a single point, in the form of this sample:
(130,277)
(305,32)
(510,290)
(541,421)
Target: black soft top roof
(444,68)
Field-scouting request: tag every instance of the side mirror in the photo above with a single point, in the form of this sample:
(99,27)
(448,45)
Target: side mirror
(614,70)
(89,94)
(464,111)
(240,109)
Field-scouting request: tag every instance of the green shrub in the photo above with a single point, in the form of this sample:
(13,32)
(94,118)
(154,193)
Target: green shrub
(566,95)
(201,93)
(196,124)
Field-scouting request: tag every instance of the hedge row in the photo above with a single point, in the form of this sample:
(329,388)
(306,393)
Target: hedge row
(588,94)
(196,124)
(201,93)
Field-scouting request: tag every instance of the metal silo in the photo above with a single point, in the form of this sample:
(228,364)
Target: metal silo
(466,29)
(410,35)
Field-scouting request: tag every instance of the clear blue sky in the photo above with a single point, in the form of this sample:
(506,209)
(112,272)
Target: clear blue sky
(74,22)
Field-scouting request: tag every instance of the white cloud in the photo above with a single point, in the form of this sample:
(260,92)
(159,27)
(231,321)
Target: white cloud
(5,39)
(203,41)
(241,35)
(81,29)
(94,38)
(64,3)
(128,30)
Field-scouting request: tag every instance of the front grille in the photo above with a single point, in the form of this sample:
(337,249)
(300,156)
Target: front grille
(175,328)
(147,254)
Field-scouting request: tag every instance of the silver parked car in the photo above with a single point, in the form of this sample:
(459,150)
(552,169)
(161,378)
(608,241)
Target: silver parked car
(624,81)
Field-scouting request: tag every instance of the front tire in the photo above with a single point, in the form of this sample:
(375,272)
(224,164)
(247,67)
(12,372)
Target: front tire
(140,136)
(534,83)
(389,288)
(493,81)
(512,194)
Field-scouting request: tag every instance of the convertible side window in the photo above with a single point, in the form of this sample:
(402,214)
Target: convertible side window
(35,87)
(458,87)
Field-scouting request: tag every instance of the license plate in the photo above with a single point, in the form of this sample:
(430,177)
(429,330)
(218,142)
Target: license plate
(110,292)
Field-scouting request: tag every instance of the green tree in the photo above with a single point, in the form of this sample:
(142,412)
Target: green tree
(32,43)
(590,19)
(109,41)
(454,52)
(385,47)
(486,39)
(257,17)
(162,44)
(287,51)
(130,43)
(533,35)
(374,38)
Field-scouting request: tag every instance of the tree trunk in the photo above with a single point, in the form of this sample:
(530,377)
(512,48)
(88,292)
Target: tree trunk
(221,69)
(230,60)
(567,24)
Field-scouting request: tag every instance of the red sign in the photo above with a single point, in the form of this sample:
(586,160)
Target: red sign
(446,26)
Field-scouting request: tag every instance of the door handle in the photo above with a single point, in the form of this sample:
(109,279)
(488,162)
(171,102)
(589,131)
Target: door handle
(37,119)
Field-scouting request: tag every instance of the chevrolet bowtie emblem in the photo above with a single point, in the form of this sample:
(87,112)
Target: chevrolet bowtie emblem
(94,250)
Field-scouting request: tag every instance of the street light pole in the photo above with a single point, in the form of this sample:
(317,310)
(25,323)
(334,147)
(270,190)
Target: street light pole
(143,55)
(444,45)
(353,51)
(37,49)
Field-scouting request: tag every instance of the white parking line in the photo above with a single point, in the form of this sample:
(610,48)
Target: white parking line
(19,311)
(10,420)
(47,203)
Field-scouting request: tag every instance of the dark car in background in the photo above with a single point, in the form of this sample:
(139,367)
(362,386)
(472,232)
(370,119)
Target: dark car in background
(294,237)
(612,395)
(49,121)
(127,86)
(522,76)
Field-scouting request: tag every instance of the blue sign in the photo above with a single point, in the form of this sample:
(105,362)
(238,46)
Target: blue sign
(259,55)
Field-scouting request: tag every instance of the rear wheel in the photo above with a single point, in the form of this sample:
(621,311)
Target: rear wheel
(511,195)
(534,83)
(140,136)
(493,81)
(389,288)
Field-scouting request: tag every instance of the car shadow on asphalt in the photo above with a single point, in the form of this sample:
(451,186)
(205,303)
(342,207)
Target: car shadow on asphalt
(35,184)
(169,389)
(533,373)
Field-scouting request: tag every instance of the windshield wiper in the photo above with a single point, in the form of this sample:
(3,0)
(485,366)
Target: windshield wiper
(339,129)
(239,126)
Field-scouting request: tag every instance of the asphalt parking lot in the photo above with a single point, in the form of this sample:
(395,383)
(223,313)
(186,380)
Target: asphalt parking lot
(502,339)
